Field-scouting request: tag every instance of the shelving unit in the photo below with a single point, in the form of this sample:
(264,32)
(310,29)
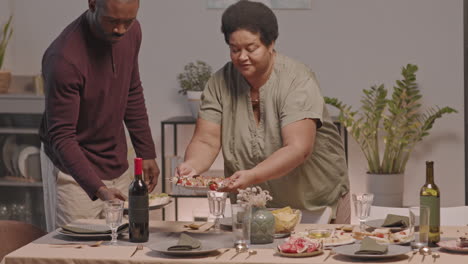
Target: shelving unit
(189,120)
(174,122)
(23,199)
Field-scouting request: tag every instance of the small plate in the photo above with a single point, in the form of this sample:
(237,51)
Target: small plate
(451,245)
(206,248)
(92,227)
(393,251)
(300,255)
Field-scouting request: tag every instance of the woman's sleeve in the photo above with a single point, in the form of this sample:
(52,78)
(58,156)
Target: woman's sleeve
(211,108)
(303,100)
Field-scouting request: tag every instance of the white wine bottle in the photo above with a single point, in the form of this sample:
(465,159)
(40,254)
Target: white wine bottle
(430,197)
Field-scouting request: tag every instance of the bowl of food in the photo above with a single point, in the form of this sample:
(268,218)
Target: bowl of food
(319,233)
(286,219)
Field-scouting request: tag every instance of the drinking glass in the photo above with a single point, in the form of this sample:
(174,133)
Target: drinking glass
(362,205)
(241,217)
(217,203)
(419,218)
(114,211)
(200,215)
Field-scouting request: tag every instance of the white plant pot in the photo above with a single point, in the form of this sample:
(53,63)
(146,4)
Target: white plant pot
(387,189)
(194,99)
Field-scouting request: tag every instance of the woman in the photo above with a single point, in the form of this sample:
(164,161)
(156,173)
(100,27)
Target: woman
(266,112)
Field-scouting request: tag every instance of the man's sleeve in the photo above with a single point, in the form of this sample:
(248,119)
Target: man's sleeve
(136,117)
(63,82)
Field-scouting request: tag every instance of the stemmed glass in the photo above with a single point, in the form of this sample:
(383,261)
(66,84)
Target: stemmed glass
(362,205)
(114,212)
(217,203)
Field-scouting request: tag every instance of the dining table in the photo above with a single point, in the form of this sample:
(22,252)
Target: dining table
(48,249)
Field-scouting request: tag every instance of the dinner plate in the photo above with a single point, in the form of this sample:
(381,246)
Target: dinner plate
(349,251)
(92,227)
(25,152)
(300,255)
(451,245)
(153,204)
(206,248)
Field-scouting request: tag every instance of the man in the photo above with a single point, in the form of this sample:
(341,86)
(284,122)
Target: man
(93,87)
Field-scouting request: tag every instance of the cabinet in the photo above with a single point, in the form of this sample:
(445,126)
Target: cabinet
(189,120)
(21,196)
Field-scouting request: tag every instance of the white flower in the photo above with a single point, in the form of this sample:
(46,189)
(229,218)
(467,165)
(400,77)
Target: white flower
(254,196)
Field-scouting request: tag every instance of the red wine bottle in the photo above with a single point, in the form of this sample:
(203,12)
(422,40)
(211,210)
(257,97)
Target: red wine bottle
(138,211)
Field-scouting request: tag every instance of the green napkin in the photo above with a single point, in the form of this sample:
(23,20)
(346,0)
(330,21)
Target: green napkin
(396,221)
(370,247)
(83,230)
(185,243)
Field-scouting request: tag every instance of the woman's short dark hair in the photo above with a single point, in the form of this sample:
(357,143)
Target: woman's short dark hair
(252,16)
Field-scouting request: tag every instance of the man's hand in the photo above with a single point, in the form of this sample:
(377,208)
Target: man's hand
(106,194)
(151,173)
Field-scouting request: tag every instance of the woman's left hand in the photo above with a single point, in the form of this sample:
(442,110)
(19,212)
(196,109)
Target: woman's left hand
(239,180)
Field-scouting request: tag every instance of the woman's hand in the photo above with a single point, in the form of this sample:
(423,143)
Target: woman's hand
(239,180)
(184,170)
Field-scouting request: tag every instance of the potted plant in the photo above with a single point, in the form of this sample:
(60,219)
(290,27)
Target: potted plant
(396,124)
(5,76)
(192,82)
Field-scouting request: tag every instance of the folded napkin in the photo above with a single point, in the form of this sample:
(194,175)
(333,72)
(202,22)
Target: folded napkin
(73,229)
(370,247)
(185,243)
(396,221)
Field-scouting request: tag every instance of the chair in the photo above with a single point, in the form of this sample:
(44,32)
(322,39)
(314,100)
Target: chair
(15,234)
(322,216)
(449,216)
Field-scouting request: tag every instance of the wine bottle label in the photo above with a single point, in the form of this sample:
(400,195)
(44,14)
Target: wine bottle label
(138,215)
(138,202)
(138,209)
(433,202)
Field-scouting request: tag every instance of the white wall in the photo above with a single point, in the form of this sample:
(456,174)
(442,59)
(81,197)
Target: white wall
(349,44)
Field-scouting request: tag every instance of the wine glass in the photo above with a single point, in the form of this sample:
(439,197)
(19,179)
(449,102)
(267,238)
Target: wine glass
(217,203)
(362,205)
(114,212)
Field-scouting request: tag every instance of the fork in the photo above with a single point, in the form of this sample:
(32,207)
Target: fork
(139,247)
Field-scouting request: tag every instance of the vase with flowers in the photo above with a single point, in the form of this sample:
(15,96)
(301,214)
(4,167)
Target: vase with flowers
(262,226)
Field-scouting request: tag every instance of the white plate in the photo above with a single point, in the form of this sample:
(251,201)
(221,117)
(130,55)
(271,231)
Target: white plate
(206,248)
(451,245)
(153,204)
(25,151)
(92,227)
(393,251)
